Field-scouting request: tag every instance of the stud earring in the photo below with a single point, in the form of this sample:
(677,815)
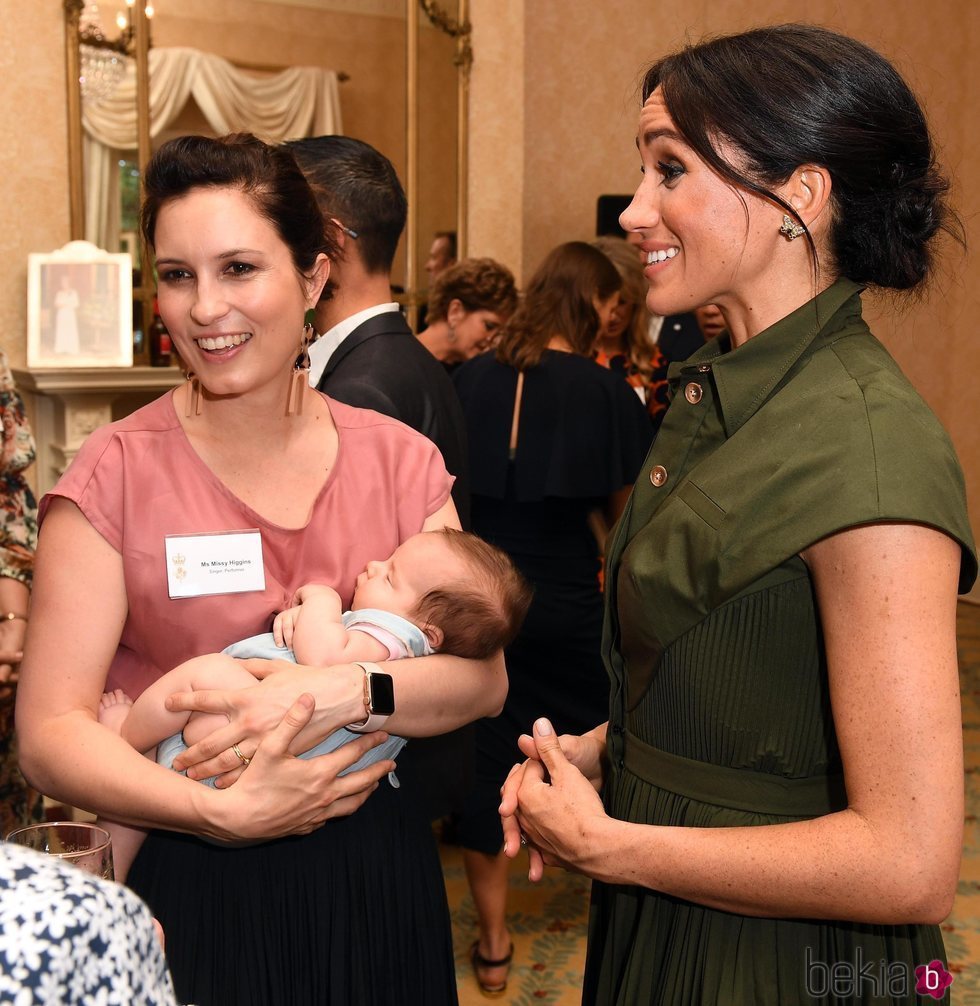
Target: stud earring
(192,398)
(791,228)
(300,377)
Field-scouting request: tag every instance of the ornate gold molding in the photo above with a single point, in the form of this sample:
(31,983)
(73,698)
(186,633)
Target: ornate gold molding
(460,30)
(73,100)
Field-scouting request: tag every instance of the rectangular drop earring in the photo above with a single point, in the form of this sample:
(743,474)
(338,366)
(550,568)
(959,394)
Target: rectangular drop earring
(300,378)
(192,402)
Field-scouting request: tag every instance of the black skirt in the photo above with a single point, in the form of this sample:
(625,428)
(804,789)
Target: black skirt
(354,913)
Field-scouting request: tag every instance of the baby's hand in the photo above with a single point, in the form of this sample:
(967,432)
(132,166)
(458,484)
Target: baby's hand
(315,590)
(285,625)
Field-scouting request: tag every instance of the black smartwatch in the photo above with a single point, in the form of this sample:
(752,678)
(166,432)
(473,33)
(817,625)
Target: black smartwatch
(379,698)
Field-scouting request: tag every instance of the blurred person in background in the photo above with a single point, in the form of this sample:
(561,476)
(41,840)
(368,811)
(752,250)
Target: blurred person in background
(442,254)
(624,344)
(553,437)
(467,305)
(19,803)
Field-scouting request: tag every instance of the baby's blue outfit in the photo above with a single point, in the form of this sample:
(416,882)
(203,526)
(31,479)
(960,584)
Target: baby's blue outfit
(403,639)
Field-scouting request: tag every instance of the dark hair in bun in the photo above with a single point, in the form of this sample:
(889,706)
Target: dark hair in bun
(796,94)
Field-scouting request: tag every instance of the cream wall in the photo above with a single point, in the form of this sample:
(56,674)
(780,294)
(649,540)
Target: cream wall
(33,155)
(572,92)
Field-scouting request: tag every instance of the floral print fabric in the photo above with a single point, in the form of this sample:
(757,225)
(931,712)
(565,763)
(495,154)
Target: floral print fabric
(654,387)
(69,938)
(18,509)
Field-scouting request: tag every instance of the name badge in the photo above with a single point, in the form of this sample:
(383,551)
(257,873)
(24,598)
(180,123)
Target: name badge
(219,562)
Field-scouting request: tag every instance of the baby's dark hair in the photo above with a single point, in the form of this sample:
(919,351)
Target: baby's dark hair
(482,614)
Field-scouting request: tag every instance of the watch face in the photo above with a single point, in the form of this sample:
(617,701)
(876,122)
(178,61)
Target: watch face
(382,694)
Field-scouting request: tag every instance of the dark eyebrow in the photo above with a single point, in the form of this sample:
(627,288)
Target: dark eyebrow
(238,253)
(656,134)
(227,256)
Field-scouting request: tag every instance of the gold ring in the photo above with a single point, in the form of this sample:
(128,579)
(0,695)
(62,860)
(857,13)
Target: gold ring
(245,761)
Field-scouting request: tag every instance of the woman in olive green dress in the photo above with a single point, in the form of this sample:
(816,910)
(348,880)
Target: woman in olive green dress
(781,775)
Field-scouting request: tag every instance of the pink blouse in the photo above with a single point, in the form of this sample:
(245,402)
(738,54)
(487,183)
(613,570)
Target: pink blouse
(140,479)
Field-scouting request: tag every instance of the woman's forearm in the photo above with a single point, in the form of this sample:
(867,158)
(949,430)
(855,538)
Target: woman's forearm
(433,695)
(14,596)
(61,755)
(436,694)
(839,866)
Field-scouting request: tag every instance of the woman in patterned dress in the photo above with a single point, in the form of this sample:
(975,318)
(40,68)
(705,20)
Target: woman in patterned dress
(19,804)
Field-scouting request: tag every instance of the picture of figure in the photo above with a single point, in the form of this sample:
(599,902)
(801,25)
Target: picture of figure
(79,308)
(66,318)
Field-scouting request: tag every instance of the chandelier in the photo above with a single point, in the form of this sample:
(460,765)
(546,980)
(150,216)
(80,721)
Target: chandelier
(103,60)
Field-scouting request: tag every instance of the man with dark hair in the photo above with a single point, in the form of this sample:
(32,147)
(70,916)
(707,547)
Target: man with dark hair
(442,254)
(368,356)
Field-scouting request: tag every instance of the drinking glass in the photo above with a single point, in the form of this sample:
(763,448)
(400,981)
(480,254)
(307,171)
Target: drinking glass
(87,846)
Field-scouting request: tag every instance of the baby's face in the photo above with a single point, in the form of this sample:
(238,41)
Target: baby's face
(417,566)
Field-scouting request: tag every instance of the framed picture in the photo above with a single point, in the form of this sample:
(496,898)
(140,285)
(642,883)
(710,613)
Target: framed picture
(79,308)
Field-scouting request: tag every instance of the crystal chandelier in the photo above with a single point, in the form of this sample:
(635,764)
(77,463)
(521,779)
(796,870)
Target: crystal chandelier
(103,59)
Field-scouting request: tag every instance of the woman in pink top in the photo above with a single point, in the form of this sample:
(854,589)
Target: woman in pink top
(190,524)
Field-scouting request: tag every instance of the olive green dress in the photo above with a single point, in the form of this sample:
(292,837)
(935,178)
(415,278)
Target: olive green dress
(720,711)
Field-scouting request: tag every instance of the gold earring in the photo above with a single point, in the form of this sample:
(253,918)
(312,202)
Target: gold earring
(300,378)
(791,228)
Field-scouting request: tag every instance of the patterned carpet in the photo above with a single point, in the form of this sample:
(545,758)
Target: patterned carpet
(548,924)
(548,921)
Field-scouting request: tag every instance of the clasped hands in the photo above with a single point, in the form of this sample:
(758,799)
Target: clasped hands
(551,802)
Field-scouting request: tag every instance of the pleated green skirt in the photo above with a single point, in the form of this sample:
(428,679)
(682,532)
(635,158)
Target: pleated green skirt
(735,730)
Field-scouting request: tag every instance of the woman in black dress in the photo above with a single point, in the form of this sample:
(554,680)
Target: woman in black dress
(554,438)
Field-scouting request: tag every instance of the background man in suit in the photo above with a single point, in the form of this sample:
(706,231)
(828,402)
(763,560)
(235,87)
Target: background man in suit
(368,356)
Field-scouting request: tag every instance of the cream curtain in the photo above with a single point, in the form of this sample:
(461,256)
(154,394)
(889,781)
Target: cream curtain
(299,101)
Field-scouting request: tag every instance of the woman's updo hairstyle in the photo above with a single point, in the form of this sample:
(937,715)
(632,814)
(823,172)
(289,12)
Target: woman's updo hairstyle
(268,175)
(796,94)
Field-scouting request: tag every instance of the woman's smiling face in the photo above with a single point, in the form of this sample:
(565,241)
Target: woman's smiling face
(229,292)
(704,241)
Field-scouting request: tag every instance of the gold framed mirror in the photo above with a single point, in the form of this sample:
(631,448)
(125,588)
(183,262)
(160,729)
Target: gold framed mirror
(97,62)
(430,96)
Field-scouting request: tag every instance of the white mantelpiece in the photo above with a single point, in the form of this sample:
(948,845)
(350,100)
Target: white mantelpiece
(65,406)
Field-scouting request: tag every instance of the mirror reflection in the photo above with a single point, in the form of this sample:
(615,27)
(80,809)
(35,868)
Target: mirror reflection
(281,69)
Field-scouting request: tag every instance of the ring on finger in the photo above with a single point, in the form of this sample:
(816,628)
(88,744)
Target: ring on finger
(238,751)
(523,839)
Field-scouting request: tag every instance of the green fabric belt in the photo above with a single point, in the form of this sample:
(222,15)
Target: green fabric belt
(738,789)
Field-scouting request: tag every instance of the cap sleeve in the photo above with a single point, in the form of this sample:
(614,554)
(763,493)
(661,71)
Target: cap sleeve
(94,482)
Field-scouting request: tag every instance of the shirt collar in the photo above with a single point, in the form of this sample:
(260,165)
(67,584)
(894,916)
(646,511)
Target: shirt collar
(326,344)
(744,378)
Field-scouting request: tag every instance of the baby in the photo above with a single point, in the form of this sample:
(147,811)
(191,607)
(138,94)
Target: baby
(446,591)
